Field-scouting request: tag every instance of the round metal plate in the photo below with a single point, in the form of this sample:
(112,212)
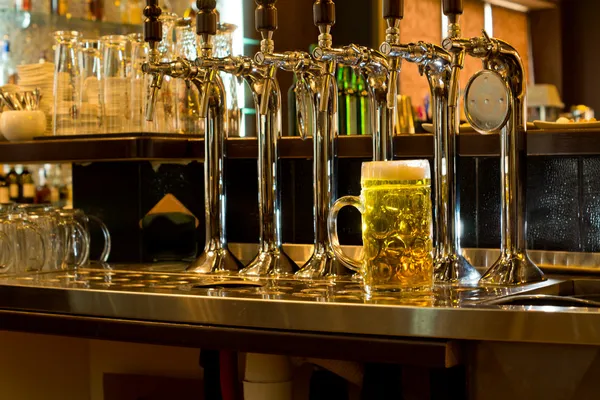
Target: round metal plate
(487,102)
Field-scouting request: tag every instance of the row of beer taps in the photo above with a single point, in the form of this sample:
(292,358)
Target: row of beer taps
(495,101)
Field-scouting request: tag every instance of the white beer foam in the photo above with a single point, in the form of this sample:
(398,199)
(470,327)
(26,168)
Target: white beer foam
(405,170)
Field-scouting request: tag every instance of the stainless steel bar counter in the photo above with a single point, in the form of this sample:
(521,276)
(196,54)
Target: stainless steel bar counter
(560,311)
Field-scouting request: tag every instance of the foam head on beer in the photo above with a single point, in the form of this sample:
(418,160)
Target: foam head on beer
(405,170)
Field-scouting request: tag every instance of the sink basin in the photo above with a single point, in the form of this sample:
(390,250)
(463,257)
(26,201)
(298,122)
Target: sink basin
(568,293)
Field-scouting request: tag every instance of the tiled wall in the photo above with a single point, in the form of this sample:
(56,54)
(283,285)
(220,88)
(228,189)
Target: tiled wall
(563,203)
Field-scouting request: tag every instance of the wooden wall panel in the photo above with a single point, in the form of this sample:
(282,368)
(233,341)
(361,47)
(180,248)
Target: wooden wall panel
(422,21)
(513,27)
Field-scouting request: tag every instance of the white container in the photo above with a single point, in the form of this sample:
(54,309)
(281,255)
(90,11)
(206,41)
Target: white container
(22,125)
(267,368)
(268,391)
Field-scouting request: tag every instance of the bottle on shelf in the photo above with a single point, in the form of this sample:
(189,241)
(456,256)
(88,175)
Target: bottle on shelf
(364,114)
(12,180)
(27,187)
(342,129)
(348,101)
(43,192)
(4,190)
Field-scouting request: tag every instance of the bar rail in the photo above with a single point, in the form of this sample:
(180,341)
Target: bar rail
(173,147)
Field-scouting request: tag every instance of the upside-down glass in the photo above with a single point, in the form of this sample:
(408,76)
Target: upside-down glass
(223,42)
(187,109)
(66,83)
(90,64)
(139,81)
(164,109)
(86,220)
(76,240)
(395,203)
(47,220)
(115,87)
(27,244)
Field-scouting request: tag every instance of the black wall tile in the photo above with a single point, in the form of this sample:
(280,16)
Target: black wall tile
(467,199)
(590,204)
(553,203)
(488,213)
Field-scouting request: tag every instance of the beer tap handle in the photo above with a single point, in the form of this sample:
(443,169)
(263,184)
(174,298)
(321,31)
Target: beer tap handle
(265,18)
(393,12)
(324,18)
(206,24)
(452,7)
(152,27)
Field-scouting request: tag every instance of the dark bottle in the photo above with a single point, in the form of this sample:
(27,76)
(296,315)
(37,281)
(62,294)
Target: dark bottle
(342,111)
(292,118)
(364,113)
(27,187)
(43,193)
(14,189)
(4,191)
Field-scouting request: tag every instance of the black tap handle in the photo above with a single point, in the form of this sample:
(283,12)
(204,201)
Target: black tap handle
(206,19)
(324,13)
(152,26)
(393,9)
(265,16)
(453,7)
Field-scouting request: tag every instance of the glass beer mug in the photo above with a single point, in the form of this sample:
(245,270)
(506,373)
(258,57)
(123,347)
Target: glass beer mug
(395,203)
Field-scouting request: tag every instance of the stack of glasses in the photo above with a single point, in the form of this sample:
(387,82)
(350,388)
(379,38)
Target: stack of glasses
(99,86)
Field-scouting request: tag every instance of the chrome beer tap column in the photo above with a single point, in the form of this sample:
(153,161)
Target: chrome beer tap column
(495,101)
(323,263)
(216,257)
(436,64)
(271,258)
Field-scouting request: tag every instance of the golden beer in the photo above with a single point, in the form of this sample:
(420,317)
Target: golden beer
(395,203)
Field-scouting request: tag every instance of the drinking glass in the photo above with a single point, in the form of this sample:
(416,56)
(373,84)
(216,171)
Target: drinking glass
(75,239)
(85,220)
(115,88)
(26,242)
(90,63)
(187,105)
(224,47)
(66,83)
(47,220)
(139,81)
(395,203)
(164,110)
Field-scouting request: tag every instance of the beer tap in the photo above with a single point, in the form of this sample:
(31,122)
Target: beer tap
(374,66)
(323,263)
(216,257)
(436,64)
(271,258)
(495,101)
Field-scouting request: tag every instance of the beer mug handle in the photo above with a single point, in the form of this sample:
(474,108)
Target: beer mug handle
(80,230)
(107,240)
(342,202)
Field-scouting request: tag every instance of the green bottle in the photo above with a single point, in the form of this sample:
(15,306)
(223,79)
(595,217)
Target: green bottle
(350,101)
(342,110)
(364,114)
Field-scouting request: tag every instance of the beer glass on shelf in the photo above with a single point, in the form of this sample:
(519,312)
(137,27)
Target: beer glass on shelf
(223,42)
(395,203)
(115,88)
(139,81)
(187,105)
(66,83)
(90,63)
(27,245)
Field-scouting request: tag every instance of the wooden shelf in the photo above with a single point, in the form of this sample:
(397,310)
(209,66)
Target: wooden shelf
(540,143)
